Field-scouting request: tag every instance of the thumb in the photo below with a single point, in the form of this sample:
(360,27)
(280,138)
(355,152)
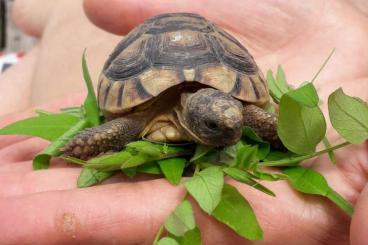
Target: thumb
(359,224)
(32,16)
(256,22)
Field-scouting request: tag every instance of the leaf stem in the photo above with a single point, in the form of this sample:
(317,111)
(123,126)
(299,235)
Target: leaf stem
(197,169)
(323,65)
(331,154)
(185,196)
(293,160)
(73,160)
(159,234)
(43,112)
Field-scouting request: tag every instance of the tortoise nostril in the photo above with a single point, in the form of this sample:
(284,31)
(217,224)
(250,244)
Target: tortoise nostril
(212,125)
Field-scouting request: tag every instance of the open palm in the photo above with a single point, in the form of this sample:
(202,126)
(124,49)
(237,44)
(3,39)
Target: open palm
(45,207)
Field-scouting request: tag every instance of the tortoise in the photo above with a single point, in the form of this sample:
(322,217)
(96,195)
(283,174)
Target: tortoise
(177,77)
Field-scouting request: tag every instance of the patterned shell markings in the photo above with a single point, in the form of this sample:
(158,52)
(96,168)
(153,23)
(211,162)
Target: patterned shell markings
(169,49)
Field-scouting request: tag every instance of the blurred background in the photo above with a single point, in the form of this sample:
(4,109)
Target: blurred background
(13,43)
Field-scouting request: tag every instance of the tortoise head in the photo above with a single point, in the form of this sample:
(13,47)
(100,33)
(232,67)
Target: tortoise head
(211,117)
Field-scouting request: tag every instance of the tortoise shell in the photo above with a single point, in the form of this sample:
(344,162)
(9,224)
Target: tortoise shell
(170,49)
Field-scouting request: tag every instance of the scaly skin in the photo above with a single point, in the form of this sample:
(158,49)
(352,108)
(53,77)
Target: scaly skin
(110,136)
(263,123)
(212,117)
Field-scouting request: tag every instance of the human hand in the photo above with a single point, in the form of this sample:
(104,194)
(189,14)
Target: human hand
(131,213)
(54,64)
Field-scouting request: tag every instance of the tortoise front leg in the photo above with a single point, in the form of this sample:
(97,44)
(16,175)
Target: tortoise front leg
(110,136)
(263,123)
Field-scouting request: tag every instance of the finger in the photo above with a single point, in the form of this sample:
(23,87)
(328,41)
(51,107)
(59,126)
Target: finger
(20,167)
(23,183)
(245,17)
(26,166)
(359,224)
(32,16)
(22,151)
(7,140)
(132,213)
(20,179)
(113,214)
(273,31)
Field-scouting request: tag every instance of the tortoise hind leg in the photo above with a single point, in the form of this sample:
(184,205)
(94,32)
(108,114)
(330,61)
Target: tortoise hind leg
(110,136)
(263,123)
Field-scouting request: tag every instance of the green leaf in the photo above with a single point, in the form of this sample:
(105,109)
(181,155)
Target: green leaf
(73,160)
(204,165)
(41,112)
(281,79)
(300,128)
(146,148)
(130,172)
(251,134)
(149,168)
(349,116)
(173,169)
(279,155)
(232,150)
(49,127)
(134,155)
(181,219)
(293,161)
(235,212)
(200,151)
(205,187)
(270,108)
(90,104)
(90,176)
(244,177)
(167,241)
(109,161)
(192,237)
(41,160)
(305,95)
(74,111)
(253,139)
(311,182)
(263,151)
(246,157)
(262,175)
(274,90)
(136,160)
(279,85)
(218,156)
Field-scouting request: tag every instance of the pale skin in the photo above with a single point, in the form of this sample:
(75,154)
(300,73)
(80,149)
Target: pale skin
(45,207)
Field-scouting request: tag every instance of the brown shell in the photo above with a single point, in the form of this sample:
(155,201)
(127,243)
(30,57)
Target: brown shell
(170,49)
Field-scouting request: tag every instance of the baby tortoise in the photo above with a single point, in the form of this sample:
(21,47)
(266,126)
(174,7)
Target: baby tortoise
(177,77)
